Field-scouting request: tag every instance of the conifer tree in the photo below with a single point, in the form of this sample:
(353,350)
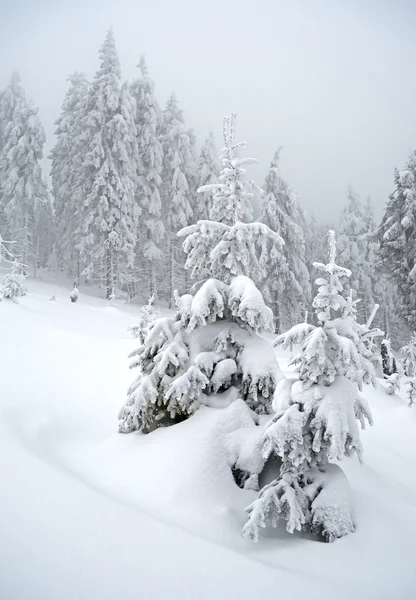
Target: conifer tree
(287,285)
(396,236)
(110,215)
(315,424)
(149,250)
(212,350)
(67,175)
(13,285)
(356,251)
(178,188)
(23,191)
(409,363)
(226,246)
(207,174)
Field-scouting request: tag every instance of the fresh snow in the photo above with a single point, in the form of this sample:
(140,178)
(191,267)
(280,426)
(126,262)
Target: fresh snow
(88,513)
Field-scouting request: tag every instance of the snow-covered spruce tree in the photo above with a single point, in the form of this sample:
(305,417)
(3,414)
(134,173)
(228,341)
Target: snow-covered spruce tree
(287,287)
(209,353)
(396,235)
(227,245)
(14,283)
(409,363)
(207,174)
(67,175)
(110,215)
(149,251)
(315,424)
(356,250)
(13,286)
(178,182)
(23,191)
(148,314)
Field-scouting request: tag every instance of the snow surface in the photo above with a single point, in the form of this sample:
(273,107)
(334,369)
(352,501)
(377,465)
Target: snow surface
(87,513)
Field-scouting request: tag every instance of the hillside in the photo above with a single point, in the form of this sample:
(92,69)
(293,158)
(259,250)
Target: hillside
(88,513)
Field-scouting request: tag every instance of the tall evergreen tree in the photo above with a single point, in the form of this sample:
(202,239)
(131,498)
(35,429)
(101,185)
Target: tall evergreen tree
(287,286)
(178,187)
(315,421)
(110,215)
(66,174)
(212,346)
(23,192)
(148,124)
(355,251)
(207,173)
(397,237)
(226,246)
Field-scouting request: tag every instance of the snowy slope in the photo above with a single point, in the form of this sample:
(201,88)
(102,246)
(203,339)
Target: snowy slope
(87,513)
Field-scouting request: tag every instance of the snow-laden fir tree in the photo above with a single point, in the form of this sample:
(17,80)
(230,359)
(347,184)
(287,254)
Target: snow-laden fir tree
(356,250)
(409,364)
(178,188)
(396,235)
(148,314)
(315,424)
(287,287)
(67,175)
(228,245)
(211,352)
(110,214)
(23,191)
(149,250)
(13,285)
(207,174)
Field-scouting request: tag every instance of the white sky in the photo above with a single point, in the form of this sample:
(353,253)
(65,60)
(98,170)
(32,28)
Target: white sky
(332,81)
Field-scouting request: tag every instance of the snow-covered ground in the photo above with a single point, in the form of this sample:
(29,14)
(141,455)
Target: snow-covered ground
(87,513)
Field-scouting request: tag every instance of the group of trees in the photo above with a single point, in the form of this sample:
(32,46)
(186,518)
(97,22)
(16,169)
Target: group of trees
(211,352)
(124,181)
(26,215)
(127,186)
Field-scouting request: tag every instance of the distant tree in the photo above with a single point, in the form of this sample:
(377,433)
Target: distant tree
(397,238)
(67,175)
(23,192)
(287,286)
(149,250)
(409,363)
(356,250)
(13,283)
(207,174)
(178,188)
(110,215)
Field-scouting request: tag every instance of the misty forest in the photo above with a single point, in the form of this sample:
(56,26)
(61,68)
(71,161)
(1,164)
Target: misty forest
(192,361)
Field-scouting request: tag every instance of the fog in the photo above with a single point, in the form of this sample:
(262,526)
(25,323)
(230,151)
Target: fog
(332,82)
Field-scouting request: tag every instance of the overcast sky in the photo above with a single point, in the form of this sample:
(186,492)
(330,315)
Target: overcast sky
(334,81)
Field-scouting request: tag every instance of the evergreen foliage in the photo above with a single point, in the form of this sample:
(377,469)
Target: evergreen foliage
(110,214)
(178,187)
(149,252)
(67,175)
(287,285)
(315,424)
(24,199)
